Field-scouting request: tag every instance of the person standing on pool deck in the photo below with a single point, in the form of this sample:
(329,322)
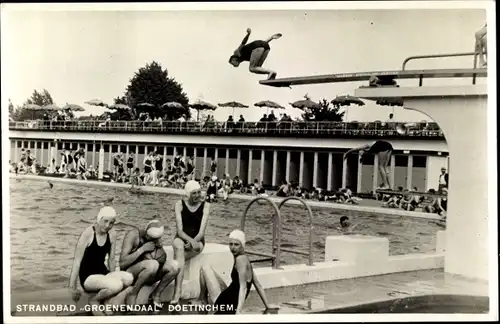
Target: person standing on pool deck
(242,278)
(383,150)
(255,53)
(191,218)
(143,256)
(94,244)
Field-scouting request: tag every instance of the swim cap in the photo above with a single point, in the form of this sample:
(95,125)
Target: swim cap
(238,235)
(154,229)
(214,178)
(191,186)
(106,211)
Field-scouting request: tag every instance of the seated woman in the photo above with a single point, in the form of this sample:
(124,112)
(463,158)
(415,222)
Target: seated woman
(257,188)
(97,241)
(255,53)
(191,218)
(212,189)
(283,190)
(242,278)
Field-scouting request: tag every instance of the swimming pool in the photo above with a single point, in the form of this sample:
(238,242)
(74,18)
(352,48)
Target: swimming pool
(45,225)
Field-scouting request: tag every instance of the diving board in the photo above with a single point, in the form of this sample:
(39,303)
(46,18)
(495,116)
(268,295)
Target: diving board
(365,76)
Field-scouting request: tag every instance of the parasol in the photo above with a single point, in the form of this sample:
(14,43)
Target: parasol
(73,107)
(201,105)
(172,104)
(347,100)
(233,104)
(146,104)
(268,104)
(307,103)
(119,106)
(96,102)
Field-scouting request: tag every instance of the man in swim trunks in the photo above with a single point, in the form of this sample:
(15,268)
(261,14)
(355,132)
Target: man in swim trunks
(143,256)
(383,150)
(255,53)
(480,46)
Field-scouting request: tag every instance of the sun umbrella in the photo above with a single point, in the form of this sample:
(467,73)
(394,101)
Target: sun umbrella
(268,104)
(52,107)
(119,106)
(347,101)
(172,104)
(96,102)
(146,104)
(390,102)
(73,107)
(201,105)
(32,107)
(233,104)
(305,104)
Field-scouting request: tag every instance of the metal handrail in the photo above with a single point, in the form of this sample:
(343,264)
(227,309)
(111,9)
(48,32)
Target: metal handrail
(276,231)
(309,211)
(417,57)
(283,128)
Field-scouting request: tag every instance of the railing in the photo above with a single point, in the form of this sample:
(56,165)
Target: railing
(419,57)
(355,129)
(275,256)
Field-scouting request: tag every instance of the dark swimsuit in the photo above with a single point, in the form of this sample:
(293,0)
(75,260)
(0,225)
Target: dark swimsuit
(147,167)
(159,164)
(93,259)
(230,295)
(191,221)
(130,163)
(380,146)
(246,51)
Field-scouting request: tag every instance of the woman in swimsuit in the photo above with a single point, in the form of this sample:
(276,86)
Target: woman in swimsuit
(255,53)
(242,278)
(383,150)
(191,217)
(94,244)
(148,167)
(82,168)
(130,163)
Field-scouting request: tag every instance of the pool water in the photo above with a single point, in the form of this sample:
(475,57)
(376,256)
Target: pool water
(45,225)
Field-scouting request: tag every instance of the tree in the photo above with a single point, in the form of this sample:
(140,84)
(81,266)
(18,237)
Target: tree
(325,112)
(152,85)
(37,98)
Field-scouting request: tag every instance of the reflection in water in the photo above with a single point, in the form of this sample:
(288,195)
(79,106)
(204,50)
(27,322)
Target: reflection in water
(45,225)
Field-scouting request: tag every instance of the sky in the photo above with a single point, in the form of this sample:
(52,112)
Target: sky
(82,55)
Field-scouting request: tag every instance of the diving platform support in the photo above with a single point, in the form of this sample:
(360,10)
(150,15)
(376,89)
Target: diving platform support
(461,113)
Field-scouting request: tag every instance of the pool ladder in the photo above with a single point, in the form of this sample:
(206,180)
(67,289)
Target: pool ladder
(275,256)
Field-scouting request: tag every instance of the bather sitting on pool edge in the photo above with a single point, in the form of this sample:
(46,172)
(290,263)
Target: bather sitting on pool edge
(191,218)
(97,241)
(231,299)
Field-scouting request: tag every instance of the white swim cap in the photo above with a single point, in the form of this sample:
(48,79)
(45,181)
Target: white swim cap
(191,186)
(154,229)
(238,235)
(106,211)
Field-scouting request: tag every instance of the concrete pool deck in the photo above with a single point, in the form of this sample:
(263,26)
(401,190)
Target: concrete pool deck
(332,295)
(366,205)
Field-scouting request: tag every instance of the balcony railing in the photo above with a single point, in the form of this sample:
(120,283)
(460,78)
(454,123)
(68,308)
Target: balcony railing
(323,129)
